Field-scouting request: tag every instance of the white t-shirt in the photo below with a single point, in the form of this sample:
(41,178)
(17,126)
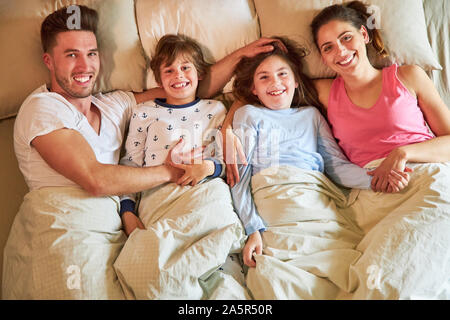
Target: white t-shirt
(43,112)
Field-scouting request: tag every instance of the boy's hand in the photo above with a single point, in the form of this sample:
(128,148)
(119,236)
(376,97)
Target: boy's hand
(254,245)
(131,222)
(193,173)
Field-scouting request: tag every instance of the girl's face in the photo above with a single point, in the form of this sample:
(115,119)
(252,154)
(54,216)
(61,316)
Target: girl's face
(342,46)
(180,81)
(274,83)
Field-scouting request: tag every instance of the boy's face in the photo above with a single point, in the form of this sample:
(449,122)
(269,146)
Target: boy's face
(179,80)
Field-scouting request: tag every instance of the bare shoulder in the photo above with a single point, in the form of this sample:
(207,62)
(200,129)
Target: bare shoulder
(323,87)
(412,76)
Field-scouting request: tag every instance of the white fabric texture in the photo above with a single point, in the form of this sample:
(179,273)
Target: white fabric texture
(402,26)
(62,245)
(43,112)
(189,233)
(309,245)
(406,249)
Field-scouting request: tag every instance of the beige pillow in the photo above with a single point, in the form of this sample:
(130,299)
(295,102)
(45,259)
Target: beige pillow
(402,27)
(220,26)
(122,59)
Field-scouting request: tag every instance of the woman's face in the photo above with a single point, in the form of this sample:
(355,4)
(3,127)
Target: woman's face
(342,46)
(274,83)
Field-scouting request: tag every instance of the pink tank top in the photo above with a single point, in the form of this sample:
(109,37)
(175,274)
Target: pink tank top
(369,134)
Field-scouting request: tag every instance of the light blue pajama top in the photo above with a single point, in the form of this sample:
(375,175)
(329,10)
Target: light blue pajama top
(298,137)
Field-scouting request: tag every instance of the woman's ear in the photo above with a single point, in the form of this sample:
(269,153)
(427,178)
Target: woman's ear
(365,34)
(254,90)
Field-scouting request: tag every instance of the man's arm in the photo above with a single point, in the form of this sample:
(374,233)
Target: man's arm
(150,94)
(67,152)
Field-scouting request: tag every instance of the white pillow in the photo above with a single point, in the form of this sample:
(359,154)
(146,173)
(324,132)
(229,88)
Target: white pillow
(122,61)
(220,26)
(402,26)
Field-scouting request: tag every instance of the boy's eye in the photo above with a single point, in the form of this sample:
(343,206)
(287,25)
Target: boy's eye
(185,68)
(347,37)
(92,54)
(71,55)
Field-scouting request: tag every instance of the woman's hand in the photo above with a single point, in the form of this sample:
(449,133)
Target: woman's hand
(254,245)
(392,174)
(130,222)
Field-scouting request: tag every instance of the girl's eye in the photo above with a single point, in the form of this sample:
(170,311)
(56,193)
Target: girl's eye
(326,48)
(185,68)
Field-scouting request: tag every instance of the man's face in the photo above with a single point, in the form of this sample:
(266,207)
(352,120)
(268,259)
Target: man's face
(74,64)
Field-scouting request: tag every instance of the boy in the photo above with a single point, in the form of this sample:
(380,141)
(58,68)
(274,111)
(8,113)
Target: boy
(158,125)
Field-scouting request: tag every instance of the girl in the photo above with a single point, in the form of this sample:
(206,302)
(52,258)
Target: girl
(283,141)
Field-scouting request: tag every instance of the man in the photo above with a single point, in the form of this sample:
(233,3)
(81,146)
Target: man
(65,239)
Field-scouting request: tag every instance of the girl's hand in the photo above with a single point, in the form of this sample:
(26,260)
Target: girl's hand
(232,149)
(254,245)
(130,222)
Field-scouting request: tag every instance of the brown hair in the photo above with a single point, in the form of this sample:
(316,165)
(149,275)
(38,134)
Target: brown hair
(170,46)
(245,70)
(354,12)
(59,21)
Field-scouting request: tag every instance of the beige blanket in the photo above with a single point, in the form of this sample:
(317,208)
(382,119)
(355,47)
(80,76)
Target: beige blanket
(309,244)
(62,245)
(189,233)
(407,245)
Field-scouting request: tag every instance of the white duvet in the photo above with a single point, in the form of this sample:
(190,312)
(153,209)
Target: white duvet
(406,249)
(62,245)
(190,231)
(309,244)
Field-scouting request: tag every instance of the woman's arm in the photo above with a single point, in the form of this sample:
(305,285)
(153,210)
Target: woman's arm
(323,87)
(436,113)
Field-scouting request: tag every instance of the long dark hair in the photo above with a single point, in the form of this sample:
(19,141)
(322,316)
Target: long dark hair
(245,70)
(354,12)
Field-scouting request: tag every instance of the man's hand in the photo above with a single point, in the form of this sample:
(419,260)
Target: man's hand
(177,156)
(253,246)
(131,222)
(259,46)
